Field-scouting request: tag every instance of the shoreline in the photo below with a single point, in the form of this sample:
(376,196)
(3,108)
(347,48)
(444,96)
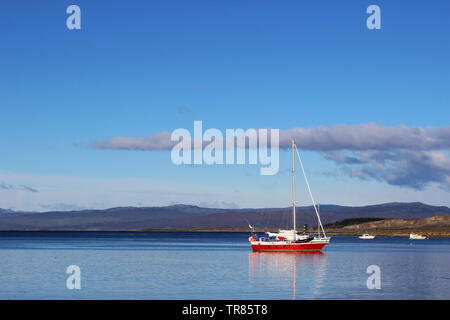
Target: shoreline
(331,232)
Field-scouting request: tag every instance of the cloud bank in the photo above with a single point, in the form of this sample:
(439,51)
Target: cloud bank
(7,186)
(158,141)
(398,155)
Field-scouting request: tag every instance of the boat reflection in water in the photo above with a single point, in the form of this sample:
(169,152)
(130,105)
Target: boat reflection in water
(286,275)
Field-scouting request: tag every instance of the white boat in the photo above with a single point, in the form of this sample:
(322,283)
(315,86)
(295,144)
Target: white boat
(415,236)
(366,236)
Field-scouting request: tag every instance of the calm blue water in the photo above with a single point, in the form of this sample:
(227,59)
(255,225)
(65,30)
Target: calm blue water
(216,266)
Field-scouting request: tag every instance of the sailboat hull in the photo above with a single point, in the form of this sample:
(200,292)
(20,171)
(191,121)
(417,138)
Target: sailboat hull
(277,246)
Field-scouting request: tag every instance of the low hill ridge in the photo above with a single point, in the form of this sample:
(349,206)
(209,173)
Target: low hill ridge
(189,216)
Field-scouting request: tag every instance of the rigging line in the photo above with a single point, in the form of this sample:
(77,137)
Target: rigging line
(249,225)
(309,190)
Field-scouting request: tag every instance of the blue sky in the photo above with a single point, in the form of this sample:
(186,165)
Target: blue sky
(138,68)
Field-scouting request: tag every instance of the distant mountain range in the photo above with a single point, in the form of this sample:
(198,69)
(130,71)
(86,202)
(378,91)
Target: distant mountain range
(6,211)
(189,217)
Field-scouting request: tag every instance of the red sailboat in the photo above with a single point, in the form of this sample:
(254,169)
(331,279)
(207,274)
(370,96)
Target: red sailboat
(292,240)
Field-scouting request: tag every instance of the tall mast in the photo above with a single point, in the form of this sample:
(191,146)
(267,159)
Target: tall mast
(310,194)
(293,182)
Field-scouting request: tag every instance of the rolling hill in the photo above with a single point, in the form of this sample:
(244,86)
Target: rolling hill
(189,217)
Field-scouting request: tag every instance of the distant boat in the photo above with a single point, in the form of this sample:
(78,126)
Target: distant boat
(291,240)
(415,236)
(366,236)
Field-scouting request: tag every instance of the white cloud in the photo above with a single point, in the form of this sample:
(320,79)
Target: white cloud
(403,156)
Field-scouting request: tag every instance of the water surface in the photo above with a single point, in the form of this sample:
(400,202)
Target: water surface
(166,265)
